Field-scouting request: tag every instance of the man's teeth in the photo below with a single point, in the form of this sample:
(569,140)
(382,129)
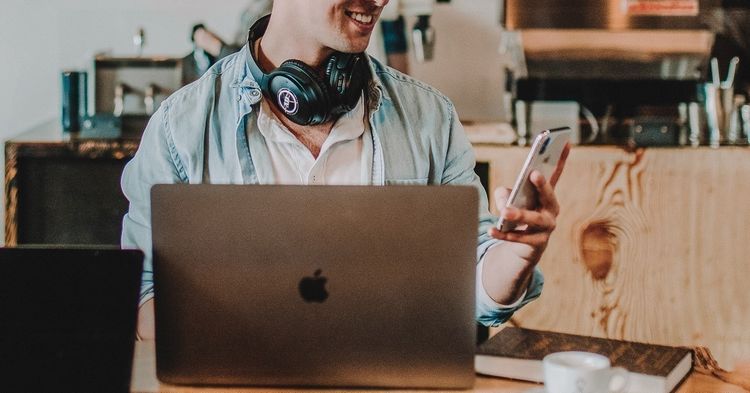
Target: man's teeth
(362,18)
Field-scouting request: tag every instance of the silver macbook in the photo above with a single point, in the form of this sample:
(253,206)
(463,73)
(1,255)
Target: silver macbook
(325,286)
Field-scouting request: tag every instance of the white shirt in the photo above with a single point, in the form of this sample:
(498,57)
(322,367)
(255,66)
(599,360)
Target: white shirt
(345,157)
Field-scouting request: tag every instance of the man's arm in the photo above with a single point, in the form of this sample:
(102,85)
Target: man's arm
(208,41)
(152,164)
(507,274)
(508,268)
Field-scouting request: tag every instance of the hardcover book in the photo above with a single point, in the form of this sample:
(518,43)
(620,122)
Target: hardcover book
(517,353)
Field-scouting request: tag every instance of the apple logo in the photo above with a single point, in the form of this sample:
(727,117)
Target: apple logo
(313,289)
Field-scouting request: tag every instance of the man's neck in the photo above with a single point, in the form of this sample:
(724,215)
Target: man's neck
(279,44)
(312,137)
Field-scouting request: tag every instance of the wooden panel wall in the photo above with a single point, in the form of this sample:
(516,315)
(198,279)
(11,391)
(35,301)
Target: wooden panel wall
(651,245)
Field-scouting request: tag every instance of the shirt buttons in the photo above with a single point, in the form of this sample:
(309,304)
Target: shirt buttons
(254,97)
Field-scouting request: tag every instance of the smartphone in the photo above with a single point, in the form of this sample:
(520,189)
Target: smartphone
(545,153)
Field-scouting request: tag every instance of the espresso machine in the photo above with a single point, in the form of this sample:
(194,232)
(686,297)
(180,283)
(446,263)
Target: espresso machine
(422,34)
(131,88)
(631,72)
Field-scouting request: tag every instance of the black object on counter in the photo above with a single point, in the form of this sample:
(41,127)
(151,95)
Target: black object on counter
(64,187)
(74,99)
(654,131)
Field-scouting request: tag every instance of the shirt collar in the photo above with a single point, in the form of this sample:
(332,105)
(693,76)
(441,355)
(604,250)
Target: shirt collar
(375,90)
(348,127)
(246,90)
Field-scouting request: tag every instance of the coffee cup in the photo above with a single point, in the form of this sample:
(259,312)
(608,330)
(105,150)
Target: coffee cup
(582,372)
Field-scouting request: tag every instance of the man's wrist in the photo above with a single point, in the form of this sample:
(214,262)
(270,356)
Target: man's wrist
(505,276)
(484,298)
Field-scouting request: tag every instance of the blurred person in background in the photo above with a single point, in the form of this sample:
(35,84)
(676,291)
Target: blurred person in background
(208,47)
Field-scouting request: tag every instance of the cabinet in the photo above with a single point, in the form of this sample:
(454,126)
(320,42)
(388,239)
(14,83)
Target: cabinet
(651,245)
(63,188)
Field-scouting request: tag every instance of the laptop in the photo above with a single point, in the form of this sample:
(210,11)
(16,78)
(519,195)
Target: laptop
(68,318)
(315,286)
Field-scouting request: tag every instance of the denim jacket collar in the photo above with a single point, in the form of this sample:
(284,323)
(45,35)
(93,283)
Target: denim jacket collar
(247,90)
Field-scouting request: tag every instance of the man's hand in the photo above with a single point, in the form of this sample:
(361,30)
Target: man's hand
(508,266)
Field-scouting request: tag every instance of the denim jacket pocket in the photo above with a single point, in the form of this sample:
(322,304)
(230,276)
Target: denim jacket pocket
(406,182)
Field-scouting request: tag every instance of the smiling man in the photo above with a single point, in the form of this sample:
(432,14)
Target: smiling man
(302,103)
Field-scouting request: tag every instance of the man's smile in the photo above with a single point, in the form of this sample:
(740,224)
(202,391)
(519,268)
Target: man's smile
(363,19)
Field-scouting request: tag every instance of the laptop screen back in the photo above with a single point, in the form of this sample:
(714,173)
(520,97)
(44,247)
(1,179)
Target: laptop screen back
(315,285)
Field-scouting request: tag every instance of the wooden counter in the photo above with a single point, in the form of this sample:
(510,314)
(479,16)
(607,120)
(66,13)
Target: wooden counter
(144,381)
(651,245)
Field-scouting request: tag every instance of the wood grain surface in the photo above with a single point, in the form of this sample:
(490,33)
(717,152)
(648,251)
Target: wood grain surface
(643,44)
(651,245)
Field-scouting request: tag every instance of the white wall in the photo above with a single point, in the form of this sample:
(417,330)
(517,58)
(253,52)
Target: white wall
(40,38)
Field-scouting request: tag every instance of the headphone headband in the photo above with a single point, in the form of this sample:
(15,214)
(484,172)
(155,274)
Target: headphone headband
(256,31)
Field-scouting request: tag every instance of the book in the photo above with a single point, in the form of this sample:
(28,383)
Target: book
(517,353)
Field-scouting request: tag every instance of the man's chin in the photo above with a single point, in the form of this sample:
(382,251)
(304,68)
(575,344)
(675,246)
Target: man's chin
(354,47)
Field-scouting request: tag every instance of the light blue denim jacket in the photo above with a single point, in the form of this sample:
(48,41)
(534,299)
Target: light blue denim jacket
(417,139)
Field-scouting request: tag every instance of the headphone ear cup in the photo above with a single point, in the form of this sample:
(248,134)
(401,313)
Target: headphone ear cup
(346,77)
(309,89)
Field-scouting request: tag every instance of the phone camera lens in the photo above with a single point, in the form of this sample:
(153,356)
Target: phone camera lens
(544,147)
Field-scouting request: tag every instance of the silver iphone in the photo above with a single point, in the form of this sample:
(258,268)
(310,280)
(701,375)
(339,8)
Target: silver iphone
(545,153)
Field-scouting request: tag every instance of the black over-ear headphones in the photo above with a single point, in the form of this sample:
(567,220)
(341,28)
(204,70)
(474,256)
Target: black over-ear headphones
(300,92)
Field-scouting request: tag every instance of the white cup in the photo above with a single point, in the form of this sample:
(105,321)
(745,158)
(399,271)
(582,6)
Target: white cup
(582,372)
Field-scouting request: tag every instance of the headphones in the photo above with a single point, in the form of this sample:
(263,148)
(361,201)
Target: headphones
(300,92)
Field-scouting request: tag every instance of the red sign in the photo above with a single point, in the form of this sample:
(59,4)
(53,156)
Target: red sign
(663,7)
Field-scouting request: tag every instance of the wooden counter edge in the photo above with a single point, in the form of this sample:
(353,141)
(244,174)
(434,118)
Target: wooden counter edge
(144,380)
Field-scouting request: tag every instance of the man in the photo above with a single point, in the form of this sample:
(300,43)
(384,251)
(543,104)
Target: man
(383,128)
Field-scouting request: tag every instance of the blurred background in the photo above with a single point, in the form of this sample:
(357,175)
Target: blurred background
(43,37)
